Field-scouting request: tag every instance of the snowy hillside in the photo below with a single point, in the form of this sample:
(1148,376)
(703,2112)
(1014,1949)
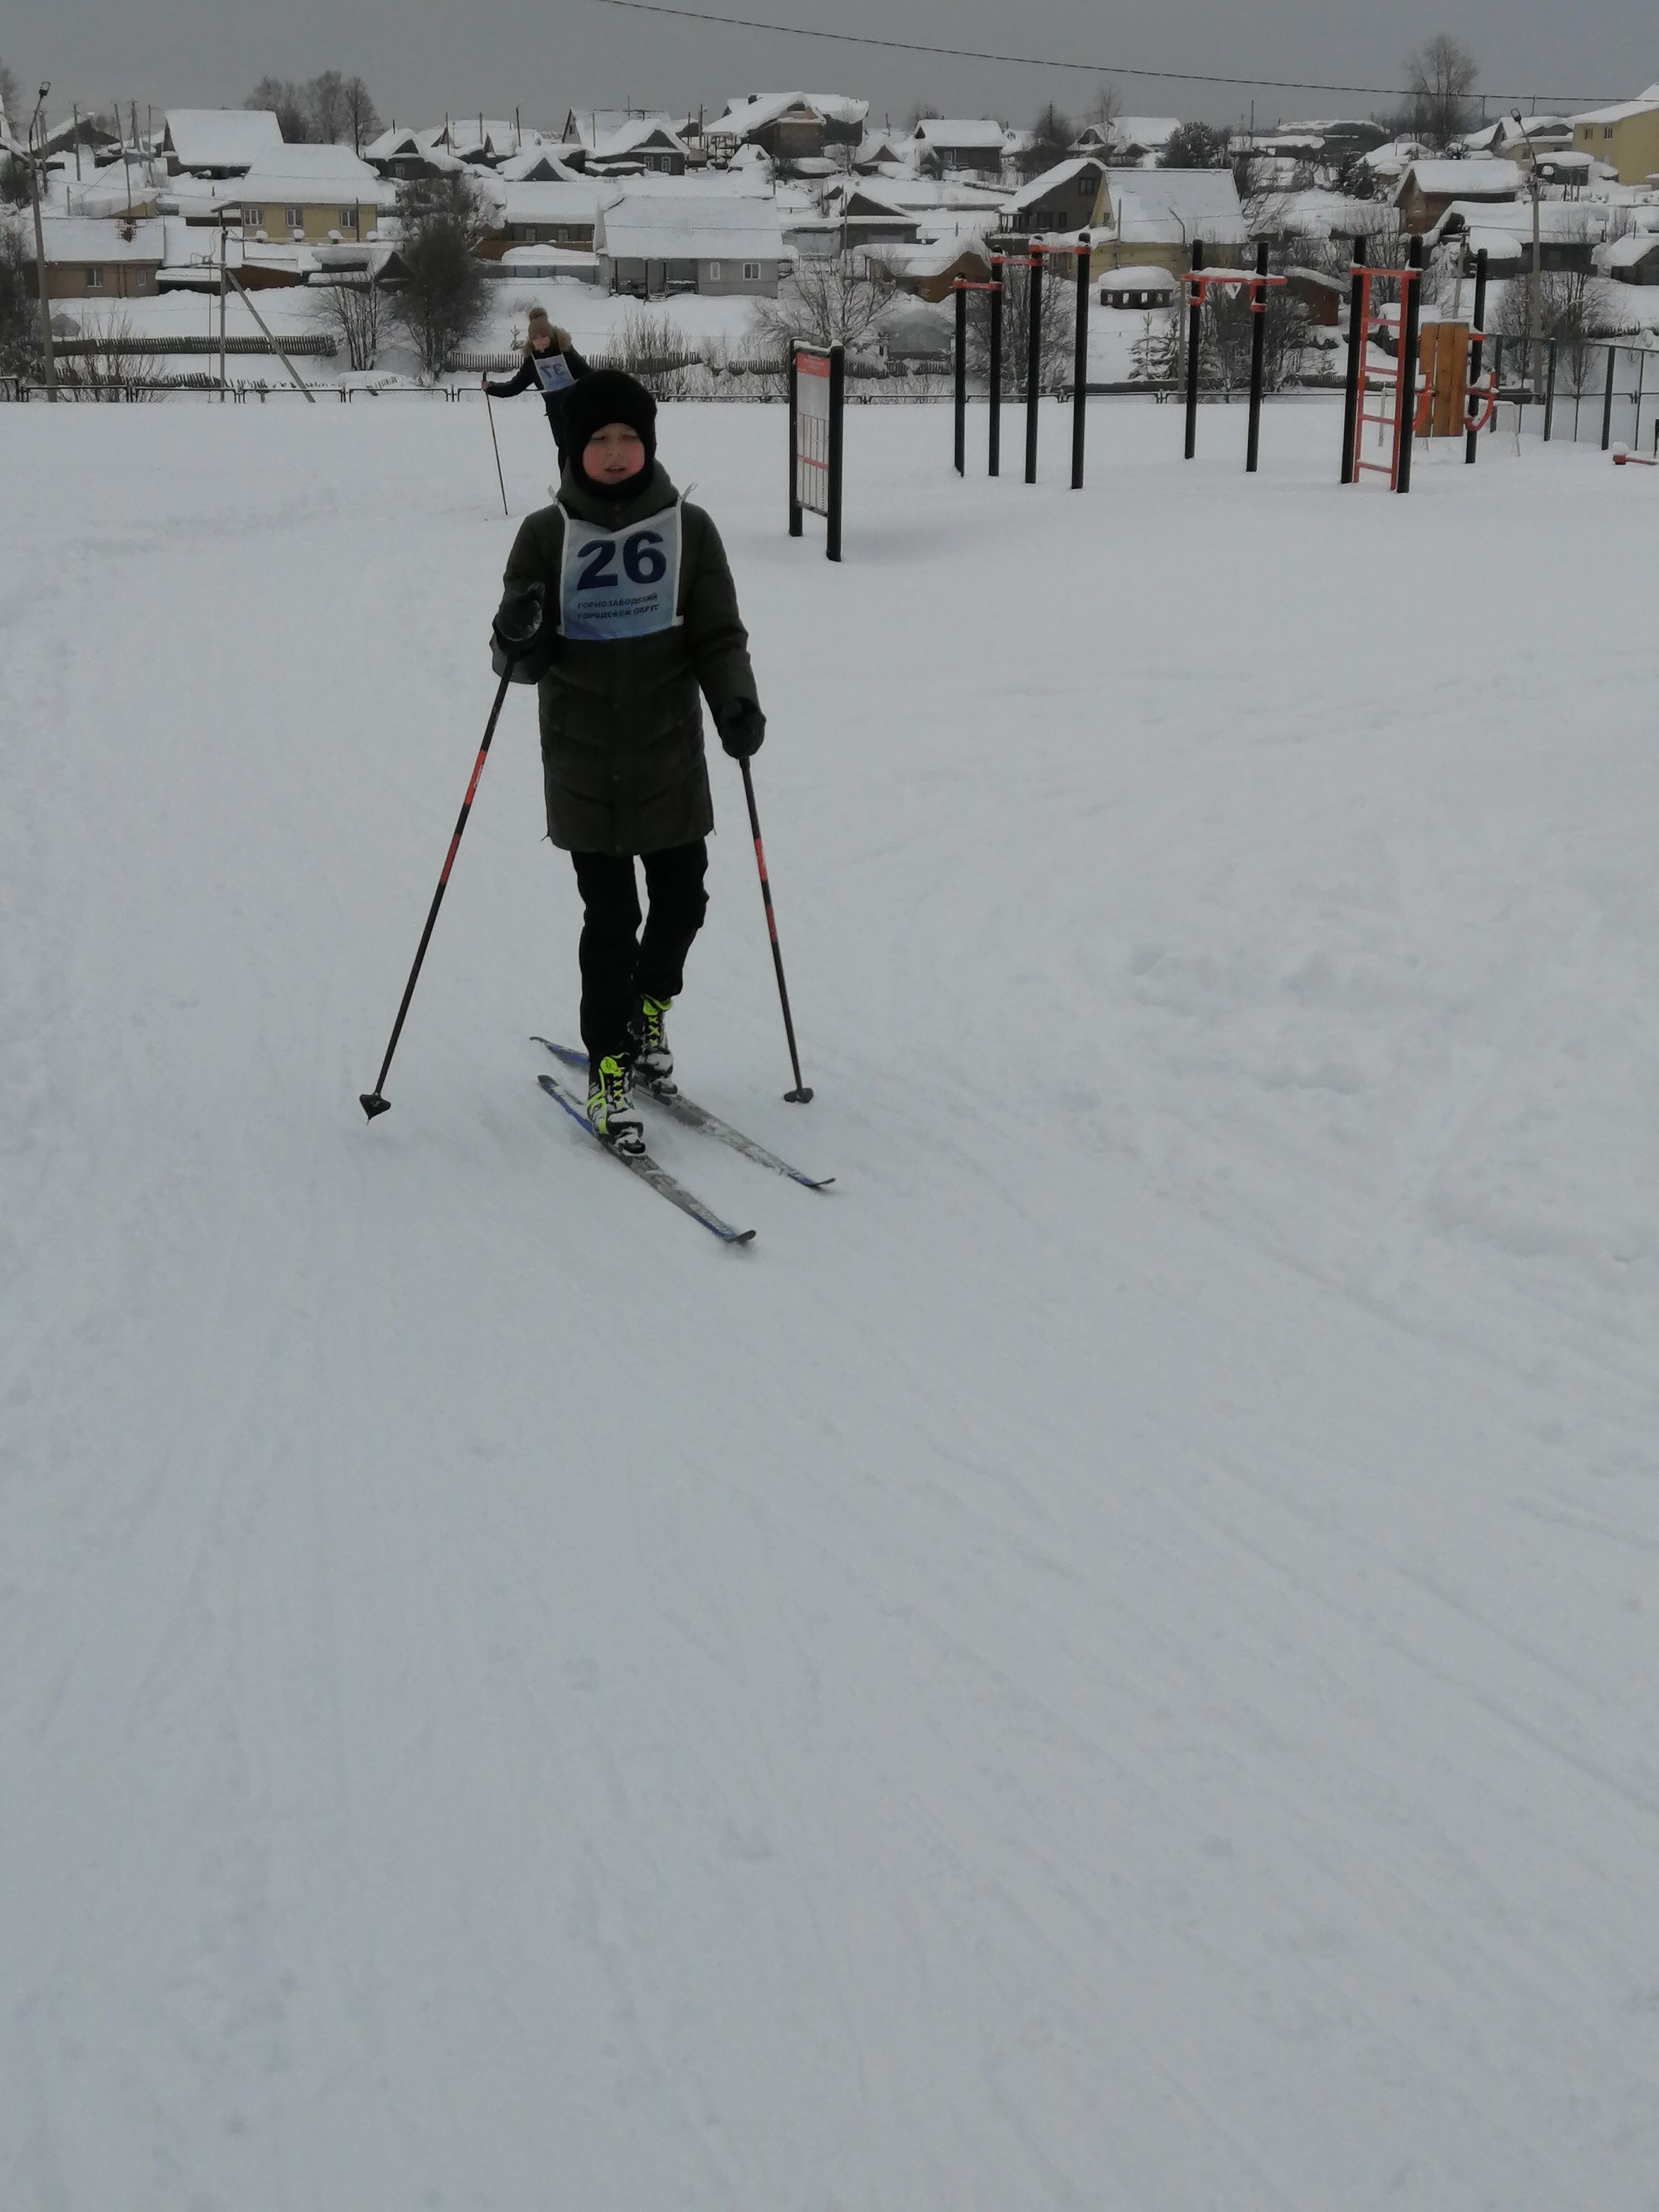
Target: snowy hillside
(1110,1659)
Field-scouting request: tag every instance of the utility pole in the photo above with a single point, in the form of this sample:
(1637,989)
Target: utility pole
(41,281)
(1537,265)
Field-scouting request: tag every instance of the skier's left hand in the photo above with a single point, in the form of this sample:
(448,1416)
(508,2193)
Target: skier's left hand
(743,729)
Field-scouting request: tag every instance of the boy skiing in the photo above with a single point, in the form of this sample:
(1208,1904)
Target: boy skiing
(642,616)
(551,365)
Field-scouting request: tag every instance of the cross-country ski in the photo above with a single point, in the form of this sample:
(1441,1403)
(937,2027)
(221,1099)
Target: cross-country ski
(674,1103)
(648,1170)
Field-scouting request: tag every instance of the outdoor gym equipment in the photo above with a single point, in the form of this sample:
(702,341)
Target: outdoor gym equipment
(962,286)
(1201,283)
(1438,386)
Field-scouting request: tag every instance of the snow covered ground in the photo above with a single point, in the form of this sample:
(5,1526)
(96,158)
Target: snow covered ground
(1108,1660)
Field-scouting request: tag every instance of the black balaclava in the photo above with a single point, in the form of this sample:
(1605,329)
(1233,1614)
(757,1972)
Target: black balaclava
(609,395)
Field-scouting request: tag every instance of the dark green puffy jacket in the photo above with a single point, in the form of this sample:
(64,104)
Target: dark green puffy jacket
(622,756)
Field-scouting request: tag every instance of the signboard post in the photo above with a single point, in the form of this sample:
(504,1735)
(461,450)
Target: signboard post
(817,390)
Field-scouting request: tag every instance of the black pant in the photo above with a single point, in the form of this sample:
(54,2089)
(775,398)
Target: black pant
(619,966)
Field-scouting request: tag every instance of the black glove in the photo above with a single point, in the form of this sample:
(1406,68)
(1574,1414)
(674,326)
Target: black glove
(743,729)
(515,631)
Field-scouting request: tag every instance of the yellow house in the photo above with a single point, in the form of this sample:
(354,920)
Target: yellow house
(1626,137)
(302,194)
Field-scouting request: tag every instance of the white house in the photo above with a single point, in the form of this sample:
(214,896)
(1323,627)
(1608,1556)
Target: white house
(723,245)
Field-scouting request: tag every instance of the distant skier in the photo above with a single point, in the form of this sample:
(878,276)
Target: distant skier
(647,614)
(551,366)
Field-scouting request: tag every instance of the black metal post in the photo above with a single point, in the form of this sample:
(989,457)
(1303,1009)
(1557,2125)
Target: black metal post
(837,403)
(1080,362)
(801,1094)
(1258,355)
(1497,378)
(1411,316)
(1355,358)
(1549,394)
(1195,340)
(1470,440)
(1033,361)
(794,439)
(1606,401)
(993,447)
(962,381)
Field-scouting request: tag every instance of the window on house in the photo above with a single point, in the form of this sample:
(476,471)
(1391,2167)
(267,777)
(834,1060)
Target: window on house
(295,218)
(715,271)
(139,279)
(252,217)
(94,280)
(1607,129)
(751,272)
(348,218)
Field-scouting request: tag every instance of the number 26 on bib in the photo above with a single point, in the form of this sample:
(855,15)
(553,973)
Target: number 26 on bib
(622,583)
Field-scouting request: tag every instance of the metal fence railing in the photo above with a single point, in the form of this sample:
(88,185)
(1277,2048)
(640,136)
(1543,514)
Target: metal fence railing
(1590,389)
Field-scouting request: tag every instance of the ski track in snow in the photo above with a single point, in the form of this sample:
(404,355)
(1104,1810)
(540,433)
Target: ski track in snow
(1108,1660)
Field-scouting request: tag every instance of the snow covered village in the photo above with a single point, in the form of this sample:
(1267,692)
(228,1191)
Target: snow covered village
(1052,711)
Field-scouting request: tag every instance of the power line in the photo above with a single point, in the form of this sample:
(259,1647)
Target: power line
(1048,62)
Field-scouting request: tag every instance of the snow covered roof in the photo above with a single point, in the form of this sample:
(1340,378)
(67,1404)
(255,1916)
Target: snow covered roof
(1561,221)
(1054,180)
(1171,207)
(1151,132)
(754,111)
(1139,276)
(1466,181)
(333,172)
(82,239)
(562,202)
(1621,110)
(641,227)
(220,138)
(537,164)
(643,130)
(1626,253)
(967,134)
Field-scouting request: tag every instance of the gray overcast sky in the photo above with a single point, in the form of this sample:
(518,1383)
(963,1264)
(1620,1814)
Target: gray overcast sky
(422,57)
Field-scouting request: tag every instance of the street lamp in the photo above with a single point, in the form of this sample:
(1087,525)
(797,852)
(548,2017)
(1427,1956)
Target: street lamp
(1516,116)
(50,364)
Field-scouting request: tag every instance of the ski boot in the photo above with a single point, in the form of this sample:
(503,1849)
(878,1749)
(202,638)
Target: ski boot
(653,1057)
(610,1104)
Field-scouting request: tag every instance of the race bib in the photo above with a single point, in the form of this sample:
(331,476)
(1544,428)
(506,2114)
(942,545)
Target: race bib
(620,583)
(553,372)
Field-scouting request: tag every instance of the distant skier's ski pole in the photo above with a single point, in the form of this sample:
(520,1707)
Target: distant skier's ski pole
(801,1094)
(516,624)
(500,479)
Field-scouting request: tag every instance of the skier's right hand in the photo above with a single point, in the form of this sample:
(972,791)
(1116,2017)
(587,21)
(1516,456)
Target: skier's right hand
(743,729)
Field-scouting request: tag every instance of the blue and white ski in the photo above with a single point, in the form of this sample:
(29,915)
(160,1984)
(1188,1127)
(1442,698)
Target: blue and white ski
(642,1165)
(692,1116)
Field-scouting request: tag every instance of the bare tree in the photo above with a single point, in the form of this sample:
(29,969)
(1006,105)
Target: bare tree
(362,118)
(288,103)
(20,312)
(354,308)
(1442,75)
(1577,311)
(9,100)
(826,303)
(442,303)
(326,105)
(1058,325)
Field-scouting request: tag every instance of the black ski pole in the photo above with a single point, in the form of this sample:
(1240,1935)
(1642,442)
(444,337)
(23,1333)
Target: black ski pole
(526,612)
(801,1094)
(500,479)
